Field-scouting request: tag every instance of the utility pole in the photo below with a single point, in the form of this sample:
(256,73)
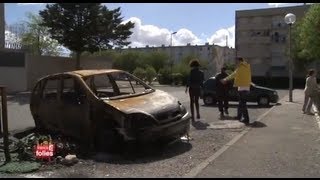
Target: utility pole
(226,40)
(2,26)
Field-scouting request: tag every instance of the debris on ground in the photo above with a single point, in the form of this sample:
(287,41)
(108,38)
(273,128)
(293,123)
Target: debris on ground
(23,152)
(20,167)
(69,160)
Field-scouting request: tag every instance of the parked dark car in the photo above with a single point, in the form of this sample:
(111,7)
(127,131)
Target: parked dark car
(105,107)
(262,95)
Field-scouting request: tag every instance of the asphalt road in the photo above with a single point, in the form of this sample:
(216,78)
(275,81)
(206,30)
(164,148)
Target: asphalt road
(174,160)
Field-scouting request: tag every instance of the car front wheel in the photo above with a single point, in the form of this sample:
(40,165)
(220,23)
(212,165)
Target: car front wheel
(209,100)
(263,101)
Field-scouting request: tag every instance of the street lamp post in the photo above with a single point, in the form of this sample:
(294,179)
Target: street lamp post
(290,19)
(171,60)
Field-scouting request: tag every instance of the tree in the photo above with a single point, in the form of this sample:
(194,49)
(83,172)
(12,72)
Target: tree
(306,37)
(36,38)
(86,27)
(150,74)
(157,60)
(127,61)
(139,73)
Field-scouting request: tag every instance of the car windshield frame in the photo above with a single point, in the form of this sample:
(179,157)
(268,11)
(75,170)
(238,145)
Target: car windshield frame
(131,78)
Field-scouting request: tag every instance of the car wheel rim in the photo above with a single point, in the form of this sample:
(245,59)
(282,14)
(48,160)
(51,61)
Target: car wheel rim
(208,100)
(263,101)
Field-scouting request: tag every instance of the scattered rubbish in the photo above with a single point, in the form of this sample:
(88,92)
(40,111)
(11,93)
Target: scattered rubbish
(20,167)
(70,160)
(34,151)
(186,138)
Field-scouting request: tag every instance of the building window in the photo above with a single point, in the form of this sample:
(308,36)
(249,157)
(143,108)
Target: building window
(275,37)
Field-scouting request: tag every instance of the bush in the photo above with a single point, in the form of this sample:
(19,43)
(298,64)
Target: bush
(177,78)
(140,73)
(164,76)
(150,74)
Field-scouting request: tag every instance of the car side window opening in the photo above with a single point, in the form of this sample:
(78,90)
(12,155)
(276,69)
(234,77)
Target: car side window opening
(101,85)
(50,91)
(37,89)
(72,91)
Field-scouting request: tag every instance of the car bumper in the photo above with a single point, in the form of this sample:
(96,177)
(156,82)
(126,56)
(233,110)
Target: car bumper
(172,129)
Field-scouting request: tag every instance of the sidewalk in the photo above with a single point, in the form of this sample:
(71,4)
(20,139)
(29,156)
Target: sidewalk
(288,146)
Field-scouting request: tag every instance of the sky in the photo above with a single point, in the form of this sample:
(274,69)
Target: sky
(195,23)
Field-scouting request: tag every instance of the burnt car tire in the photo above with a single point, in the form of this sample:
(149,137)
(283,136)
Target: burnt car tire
(209,100)
(39,124)
(263,101)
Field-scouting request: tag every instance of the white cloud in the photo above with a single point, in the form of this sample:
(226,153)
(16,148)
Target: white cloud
(277,4)
(219,37)
(156,36)
(26,4)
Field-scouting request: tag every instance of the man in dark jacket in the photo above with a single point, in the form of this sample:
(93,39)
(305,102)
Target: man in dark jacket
(194,84)
(222,92)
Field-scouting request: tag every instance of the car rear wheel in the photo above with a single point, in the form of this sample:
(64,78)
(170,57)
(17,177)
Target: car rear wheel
(209,100)
(263,101)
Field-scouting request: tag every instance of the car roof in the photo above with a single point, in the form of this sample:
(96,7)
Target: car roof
(82,73)
(90,72)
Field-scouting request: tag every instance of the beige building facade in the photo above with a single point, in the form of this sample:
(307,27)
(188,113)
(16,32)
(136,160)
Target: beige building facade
(262,39)
(215,55)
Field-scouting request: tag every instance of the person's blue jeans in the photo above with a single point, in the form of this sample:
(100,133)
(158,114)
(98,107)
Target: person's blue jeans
(242,107)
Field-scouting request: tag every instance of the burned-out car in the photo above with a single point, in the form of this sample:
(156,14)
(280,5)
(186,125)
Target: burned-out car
(106,106)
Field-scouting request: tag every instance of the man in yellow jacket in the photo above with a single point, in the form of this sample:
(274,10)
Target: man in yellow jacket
(242,80)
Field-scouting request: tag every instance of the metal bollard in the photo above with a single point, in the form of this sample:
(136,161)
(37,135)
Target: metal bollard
(5,123)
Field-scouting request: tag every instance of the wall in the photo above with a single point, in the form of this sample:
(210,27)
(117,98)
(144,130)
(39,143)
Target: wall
(12,70)
(39,66)
(14,78)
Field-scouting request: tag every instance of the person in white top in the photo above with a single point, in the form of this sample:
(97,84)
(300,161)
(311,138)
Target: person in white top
(311,90)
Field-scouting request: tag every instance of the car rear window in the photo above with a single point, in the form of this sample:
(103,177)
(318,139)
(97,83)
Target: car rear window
(210,84)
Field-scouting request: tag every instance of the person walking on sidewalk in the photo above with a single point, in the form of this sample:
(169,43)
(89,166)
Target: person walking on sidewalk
(242,80)
(222,92)
(310,92)
(194,84)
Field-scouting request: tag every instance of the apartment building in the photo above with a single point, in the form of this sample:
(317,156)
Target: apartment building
(262,38)
(215,55)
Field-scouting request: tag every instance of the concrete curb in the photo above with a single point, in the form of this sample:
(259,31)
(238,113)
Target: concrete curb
(196,170)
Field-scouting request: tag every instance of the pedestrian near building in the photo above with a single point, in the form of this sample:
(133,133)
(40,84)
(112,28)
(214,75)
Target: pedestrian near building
(242,80)
(194,84)
(310,92)
(222,92)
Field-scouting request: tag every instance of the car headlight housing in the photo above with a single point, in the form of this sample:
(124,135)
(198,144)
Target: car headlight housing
(182,109)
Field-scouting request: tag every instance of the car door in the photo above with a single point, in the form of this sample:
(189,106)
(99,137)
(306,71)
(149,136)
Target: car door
(49,104)
(233,92)
(252,96)
(75,105)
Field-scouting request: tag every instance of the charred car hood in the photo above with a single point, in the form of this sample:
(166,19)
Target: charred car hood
(151,103)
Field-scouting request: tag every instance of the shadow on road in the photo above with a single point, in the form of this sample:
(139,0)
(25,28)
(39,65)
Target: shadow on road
(251,106)
(144,153)
(200,125)
(257,124)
